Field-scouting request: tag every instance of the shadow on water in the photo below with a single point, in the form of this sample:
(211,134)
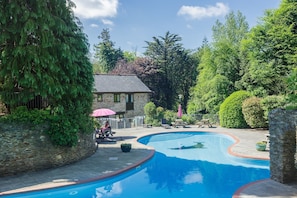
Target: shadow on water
(209,179)
(194,175)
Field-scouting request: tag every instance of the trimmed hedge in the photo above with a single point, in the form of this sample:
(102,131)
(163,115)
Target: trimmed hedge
(253,113)
(231,110)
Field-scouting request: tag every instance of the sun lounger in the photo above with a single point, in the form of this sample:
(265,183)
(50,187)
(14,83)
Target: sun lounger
(204,122)
(178,123)
(147,125)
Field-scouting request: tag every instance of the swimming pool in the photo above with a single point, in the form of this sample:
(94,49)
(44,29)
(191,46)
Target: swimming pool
(186,164)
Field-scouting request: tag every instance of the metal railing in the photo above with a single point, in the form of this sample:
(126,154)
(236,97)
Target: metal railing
(122,123)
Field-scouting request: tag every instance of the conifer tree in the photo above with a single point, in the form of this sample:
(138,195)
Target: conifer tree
(43,52)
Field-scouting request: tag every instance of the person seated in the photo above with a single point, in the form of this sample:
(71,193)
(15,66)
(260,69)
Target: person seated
(106,129)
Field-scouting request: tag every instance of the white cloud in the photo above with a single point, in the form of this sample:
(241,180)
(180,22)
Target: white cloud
(107,22)
(94,25)
(197,12)
(96,8)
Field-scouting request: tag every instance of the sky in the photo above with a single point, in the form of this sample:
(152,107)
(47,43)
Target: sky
(133,22)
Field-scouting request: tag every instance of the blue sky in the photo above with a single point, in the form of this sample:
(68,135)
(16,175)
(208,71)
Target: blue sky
(132,22)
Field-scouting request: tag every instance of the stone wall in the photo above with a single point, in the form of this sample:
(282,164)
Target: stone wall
(282,129)
(24,148)
(140,100)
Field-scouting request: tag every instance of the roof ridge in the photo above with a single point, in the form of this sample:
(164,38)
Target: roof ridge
(115,74)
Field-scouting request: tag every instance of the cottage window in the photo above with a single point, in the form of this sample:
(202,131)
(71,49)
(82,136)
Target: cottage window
(117,98)
(99,98)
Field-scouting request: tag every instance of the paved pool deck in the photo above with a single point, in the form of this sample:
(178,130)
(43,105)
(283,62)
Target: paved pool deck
(110,160)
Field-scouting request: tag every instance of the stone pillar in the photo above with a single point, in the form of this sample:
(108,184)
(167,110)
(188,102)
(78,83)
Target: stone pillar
(282,129)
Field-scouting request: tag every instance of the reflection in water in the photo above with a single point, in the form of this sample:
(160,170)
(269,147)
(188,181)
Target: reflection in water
(193,177)
(193,172)
(207,178)
(109,190)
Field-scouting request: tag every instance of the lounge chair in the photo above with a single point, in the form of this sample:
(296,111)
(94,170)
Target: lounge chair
(103,136)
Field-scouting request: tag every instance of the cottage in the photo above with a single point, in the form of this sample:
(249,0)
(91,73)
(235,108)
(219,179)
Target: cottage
(125,94)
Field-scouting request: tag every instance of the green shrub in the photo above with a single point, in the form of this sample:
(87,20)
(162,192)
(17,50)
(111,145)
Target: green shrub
(231,110)
(253,113)
(22,114)
(63,131)
(272,102)
(149,112)
(189,119)
(159,113)
(170,116)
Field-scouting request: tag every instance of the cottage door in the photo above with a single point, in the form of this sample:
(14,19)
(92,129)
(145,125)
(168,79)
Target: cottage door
(129,102)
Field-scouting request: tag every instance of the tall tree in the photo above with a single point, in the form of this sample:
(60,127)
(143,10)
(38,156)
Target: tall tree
(221,65)
(44,52)
(227,41)
(175,67)
(145,69)
(106,53)
(271,47)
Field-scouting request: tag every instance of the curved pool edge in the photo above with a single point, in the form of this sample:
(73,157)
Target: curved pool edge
(236,141)
(149,156)
(93,179)
(240,190)
(120,171)
(230,151)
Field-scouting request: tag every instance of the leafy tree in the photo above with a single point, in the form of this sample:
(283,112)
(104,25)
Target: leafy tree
(271,47)
(221,65)
(124,67)
(176,69)
(106,53)
(43,52)
(292,87)
(96,68)
(129,56)
(207,71)
(143,67)
(226,46)
(272,102)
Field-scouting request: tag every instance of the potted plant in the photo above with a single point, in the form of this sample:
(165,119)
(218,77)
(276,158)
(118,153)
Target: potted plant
(261,146)
(126,147)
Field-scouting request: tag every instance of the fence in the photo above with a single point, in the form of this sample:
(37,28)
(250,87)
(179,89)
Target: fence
(122,123)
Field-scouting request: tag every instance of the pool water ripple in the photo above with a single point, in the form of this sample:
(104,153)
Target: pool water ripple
(185,164)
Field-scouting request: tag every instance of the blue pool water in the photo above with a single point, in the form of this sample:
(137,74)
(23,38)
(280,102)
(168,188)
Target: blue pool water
(186,164)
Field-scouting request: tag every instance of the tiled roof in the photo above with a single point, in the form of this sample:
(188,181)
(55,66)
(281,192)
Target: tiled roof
(105,83)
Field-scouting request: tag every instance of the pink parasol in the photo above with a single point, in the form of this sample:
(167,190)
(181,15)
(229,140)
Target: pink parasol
(102,112)
(180,111)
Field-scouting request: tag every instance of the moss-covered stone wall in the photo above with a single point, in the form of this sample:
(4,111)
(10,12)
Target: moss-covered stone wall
(26,148)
